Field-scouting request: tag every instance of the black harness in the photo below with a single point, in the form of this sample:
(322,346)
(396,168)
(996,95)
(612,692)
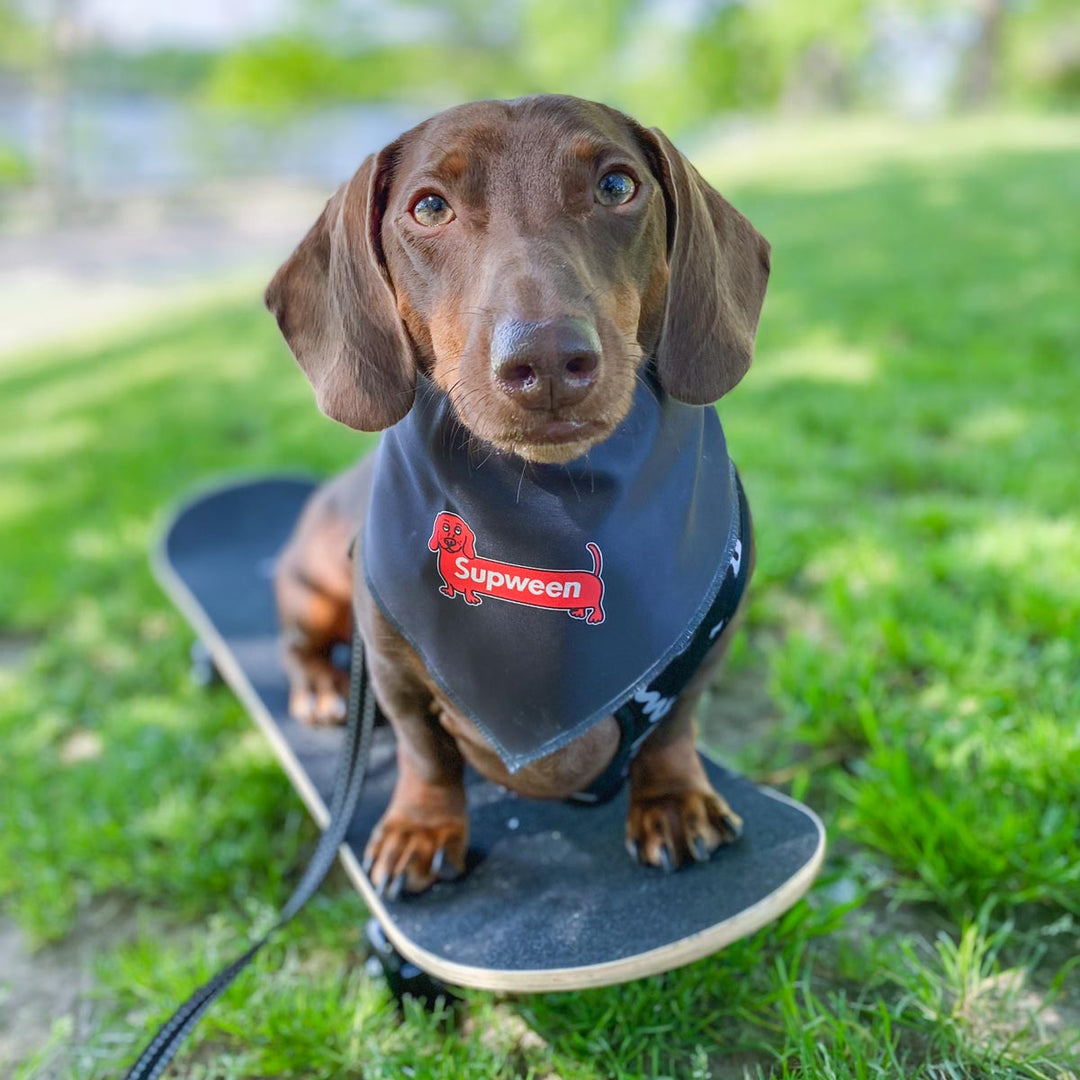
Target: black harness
(639,717)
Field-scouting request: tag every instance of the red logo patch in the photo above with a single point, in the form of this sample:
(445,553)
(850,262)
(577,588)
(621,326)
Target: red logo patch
(580,593)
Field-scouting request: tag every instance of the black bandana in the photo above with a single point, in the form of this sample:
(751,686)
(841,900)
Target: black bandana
(542,597)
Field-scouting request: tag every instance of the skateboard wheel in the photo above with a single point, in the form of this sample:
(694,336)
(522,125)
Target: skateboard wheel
(204,672)
(403,977)
(341,655)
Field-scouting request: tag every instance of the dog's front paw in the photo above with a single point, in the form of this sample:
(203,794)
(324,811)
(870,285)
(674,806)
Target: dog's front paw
(407,854)
(318,690)
(673,829)
(317,707)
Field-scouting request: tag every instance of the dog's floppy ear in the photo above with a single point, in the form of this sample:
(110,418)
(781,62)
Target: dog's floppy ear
(433,543)
(335,307)
(719,266)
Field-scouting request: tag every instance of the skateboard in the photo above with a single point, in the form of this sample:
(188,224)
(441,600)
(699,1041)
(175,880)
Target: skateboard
(550,900)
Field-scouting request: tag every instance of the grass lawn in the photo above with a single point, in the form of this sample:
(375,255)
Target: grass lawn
(911,666)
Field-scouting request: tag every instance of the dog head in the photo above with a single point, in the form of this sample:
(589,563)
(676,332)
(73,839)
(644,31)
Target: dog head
(452,535)
(529,257)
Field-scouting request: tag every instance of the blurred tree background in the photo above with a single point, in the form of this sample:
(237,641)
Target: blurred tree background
(688,60)
(680,64)
(685,61)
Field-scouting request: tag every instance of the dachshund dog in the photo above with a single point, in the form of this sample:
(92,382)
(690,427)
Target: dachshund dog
(531,261)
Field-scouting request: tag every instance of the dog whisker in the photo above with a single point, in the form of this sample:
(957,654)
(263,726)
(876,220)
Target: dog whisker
(521,480)
(648,386)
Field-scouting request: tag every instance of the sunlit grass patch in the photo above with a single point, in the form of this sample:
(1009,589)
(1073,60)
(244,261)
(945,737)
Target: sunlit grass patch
(837,153)
(823,361)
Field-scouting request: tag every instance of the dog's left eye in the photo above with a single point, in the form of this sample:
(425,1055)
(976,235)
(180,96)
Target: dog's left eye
(432,210)
(615,188)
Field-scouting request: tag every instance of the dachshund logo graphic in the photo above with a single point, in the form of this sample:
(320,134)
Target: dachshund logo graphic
(580,593)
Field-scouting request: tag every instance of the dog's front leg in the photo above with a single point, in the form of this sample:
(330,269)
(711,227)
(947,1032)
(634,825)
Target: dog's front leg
(675,816)
(423,835)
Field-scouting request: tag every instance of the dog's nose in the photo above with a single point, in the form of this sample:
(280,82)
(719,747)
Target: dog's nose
(550,364)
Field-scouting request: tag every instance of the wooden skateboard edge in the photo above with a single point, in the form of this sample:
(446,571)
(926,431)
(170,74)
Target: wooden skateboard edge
(176,589)
(652,962)
(611,972)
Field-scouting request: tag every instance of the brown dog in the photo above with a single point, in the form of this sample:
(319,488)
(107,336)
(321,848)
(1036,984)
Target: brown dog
(530,259)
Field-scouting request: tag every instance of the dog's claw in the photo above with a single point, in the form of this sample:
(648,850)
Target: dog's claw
(398,883)
(632,850)
(302,706)
(442,869)
(666,862)
(699,849)
(369,861)
(734,825)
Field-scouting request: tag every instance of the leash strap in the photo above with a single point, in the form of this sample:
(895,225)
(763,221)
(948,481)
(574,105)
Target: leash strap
(350,778)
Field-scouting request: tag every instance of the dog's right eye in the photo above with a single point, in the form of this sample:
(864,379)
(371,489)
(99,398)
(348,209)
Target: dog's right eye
(615,188)
(432,210)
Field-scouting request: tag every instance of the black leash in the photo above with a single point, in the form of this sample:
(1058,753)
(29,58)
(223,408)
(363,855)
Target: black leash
(347,784)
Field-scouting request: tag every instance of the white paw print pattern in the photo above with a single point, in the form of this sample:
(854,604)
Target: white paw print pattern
(654,705)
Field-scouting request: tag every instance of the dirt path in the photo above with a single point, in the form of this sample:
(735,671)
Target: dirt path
(45,994)
(123,261)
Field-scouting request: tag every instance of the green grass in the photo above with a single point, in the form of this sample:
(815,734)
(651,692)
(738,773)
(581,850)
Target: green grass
(908,439)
